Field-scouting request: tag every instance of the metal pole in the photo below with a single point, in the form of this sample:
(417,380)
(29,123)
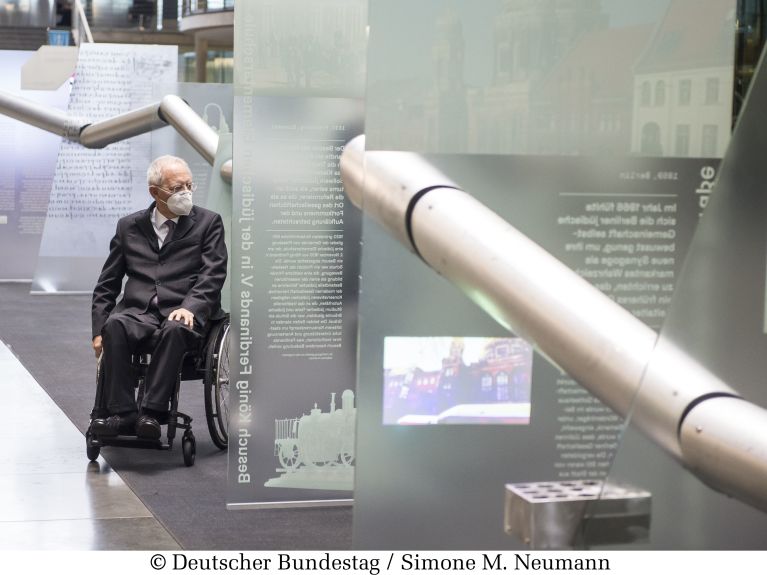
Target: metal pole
(83,20)
(122,127)
(191,127)
(674,400)
(43,117)
(171,110)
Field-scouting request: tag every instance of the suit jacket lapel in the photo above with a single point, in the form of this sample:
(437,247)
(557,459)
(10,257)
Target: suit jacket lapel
(145,225)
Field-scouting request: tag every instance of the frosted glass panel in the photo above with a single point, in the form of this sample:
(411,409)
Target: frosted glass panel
(299,68)
(609,77)
(595,128)
(717,318)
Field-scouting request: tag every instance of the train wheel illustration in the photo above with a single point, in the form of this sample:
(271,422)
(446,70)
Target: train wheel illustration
(289,455)
(347,458)
(347,451)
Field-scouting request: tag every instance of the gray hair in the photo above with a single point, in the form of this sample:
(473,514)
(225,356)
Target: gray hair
(157,167)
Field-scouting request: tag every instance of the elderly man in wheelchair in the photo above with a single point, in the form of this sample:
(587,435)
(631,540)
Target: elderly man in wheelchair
(174,257)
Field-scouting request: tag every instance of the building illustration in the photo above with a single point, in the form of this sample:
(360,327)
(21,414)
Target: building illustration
(683,83)
(494,389)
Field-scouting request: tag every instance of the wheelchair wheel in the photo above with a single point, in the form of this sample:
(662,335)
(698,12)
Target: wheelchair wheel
(188,448)
(216,382)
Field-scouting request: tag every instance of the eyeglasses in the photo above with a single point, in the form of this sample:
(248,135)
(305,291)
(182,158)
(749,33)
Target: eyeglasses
(188,186)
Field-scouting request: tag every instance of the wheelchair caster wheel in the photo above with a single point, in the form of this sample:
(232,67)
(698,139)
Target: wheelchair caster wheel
(188,448)
(91,450)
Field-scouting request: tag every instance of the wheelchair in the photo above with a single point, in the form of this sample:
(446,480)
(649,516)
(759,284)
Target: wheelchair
(210,363)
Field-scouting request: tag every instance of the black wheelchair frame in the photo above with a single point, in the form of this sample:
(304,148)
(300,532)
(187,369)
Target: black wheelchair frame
(211,364)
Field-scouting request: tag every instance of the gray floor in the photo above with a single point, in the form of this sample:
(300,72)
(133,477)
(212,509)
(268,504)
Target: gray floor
(50,496)
(51,337)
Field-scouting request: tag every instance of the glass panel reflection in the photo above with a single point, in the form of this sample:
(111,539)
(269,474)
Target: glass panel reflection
(532,78)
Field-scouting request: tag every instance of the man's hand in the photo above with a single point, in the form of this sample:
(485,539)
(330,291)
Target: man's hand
(182,314)
(97,345)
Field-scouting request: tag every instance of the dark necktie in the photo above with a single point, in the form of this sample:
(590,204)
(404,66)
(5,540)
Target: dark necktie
(170,224)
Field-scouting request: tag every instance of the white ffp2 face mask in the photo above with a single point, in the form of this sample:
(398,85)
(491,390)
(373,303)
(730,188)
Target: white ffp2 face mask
(180,203)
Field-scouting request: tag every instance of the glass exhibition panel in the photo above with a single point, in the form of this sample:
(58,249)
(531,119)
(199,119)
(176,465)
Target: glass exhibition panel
(299,81)
(716,317)
(605,163)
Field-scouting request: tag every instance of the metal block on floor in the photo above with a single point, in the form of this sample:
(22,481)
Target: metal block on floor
(567,514)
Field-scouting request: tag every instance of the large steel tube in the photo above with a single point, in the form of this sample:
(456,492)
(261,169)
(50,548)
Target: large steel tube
(600,344)
(43,117)
(122,127)
(191,127)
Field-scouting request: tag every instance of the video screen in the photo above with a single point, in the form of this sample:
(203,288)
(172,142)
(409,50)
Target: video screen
(457,380)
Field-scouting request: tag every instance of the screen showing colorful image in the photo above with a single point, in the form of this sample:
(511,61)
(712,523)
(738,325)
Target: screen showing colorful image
(457,380)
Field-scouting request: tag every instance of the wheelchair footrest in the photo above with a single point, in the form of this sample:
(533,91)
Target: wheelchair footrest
(130,441)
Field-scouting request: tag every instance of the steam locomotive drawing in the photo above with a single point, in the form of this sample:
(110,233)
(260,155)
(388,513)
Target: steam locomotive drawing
(317,440)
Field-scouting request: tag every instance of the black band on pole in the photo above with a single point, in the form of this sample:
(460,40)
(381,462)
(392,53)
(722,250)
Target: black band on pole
(697,401)
(411,207)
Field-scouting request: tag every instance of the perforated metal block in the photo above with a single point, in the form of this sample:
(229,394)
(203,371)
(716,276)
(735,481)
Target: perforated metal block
(566,514)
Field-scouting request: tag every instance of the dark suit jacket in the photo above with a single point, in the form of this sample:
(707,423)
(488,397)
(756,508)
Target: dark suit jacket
(189,271)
